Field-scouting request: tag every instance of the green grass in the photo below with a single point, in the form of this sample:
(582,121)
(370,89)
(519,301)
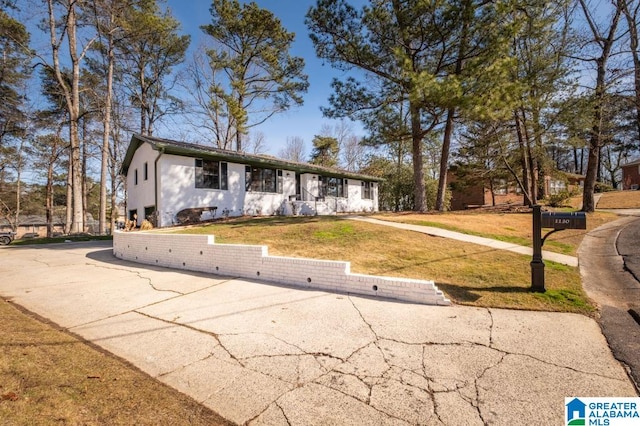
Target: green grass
(337,231)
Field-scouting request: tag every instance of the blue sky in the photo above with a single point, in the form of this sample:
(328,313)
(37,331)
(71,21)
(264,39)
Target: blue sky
(304,121)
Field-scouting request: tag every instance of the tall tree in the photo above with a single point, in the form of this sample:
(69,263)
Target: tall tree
(207,115)
(14,73)
(325,151)
(63,24)
(107,21)
(256,142)
(152,49)
(353,153)
(376,40)
(48,150)
(540,48)
(412,53)
(631,10)
(603,40)
(256,77)
(293,150)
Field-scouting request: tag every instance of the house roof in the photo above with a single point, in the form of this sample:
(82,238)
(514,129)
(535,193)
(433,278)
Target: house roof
(169,146)
(33,220)
(633,163)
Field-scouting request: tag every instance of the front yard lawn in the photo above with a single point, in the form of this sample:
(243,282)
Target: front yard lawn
(469,274)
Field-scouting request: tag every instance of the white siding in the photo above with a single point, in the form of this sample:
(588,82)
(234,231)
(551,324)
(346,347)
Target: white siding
(177,191)
(355,203)
(142,194)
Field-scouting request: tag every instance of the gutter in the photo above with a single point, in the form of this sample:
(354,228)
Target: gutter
(155,183)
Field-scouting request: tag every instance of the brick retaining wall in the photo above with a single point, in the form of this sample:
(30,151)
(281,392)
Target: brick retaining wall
(200,253)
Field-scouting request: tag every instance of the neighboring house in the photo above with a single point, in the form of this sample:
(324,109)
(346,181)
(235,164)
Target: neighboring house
(563,181)
(502,191)
(631,175)
(32,226)
(35,226)
(165,178)
(481,194)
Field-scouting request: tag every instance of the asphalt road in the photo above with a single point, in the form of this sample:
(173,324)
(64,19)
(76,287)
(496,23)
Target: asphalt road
(610,265)
(628,245)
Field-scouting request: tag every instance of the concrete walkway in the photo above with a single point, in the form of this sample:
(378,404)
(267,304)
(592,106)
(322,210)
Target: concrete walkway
(488,242)
(264,354)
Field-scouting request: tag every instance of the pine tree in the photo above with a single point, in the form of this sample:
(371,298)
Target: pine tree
(254,75)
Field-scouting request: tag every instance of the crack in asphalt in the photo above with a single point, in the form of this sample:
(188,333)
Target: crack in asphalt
(476,403)
(208,333)
(345,367)
(283,413)
(490,328)
(477,386)
(370,381)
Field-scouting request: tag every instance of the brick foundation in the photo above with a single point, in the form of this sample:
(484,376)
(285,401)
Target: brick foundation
(200,253)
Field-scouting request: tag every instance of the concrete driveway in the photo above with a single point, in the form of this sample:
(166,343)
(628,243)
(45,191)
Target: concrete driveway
(265,354)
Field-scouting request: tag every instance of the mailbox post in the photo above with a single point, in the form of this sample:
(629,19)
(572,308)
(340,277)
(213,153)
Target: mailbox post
(537,265)
(557,221)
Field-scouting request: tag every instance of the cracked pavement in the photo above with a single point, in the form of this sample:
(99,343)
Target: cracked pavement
(263,354)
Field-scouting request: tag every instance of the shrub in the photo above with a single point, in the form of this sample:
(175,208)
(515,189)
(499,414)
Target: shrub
(559,199)
(603,187)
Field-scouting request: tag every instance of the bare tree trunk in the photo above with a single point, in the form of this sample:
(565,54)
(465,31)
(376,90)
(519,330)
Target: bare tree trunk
(19,183)
(49,200)
(106,130)
(420,204)
(143,102)
(467,15)
(632,21)
(72,99)
(114,181)
(538,165)
(524,161)
(85,183)
(595,140)
(444,160)
(532,166)
(69,208)
(239,125)
(104,162)
(417,134)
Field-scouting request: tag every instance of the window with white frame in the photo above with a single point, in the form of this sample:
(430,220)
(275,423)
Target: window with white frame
(259,179)
(332,187)
(211,174)
(556,186)
(367,193)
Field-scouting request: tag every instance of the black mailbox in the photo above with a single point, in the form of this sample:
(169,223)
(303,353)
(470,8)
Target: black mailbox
(560,220)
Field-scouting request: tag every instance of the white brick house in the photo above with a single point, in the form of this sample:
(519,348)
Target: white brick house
(165,177)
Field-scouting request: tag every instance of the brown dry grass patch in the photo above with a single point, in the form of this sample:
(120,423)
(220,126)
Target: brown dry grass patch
(467,273)
(48,376)
(515,228)
(619,200)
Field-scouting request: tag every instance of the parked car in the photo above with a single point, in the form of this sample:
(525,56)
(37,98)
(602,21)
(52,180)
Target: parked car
(6,238)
